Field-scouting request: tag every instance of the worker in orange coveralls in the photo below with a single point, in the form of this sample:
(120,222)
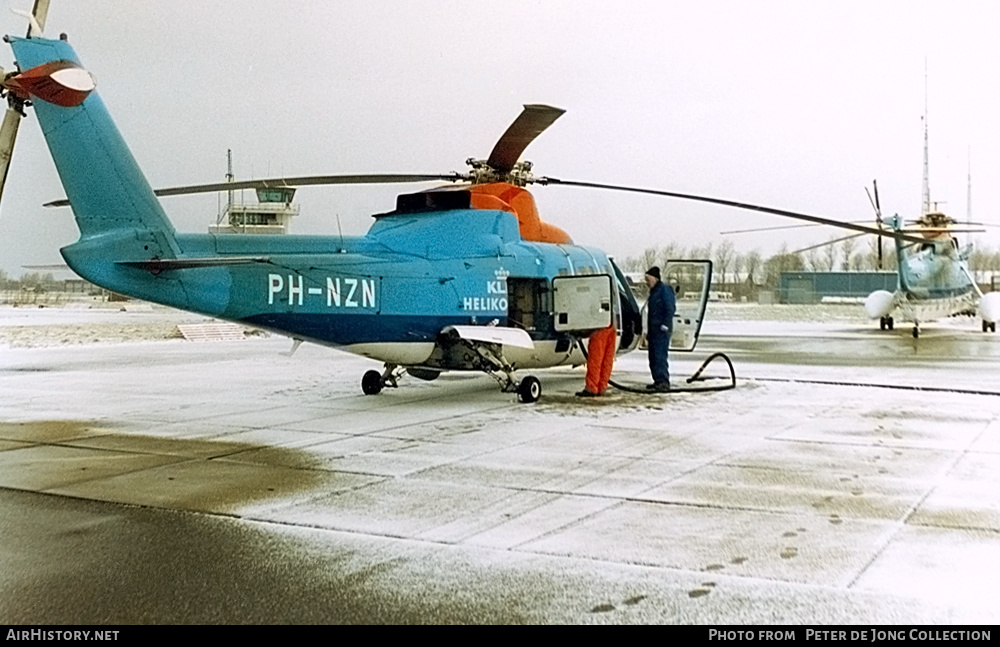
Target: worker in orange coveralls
(600,360)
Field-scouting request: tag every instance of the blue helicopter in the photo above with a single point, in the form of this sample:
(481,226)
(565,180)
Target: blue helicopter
(934,280)
(933,276)
(462,277)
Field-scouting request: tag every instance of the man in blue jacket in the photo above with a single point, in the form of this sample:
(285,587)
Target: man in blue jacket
(660,309)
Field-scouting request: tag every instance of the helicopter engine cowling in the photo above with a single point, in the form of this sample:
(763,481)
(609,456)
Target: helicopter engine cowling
(989,307)
(879,303)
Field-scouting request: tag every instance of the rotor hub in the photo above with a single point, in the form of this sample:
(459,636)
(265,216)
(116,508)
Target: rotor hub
(481,172)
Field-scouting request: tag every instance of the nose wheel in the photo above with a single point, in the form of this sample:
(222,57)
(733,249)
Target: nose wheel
(885,323)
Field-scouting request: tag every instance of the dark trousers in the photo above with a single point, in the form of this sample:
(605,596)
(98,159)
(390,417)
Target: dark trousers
(658,342)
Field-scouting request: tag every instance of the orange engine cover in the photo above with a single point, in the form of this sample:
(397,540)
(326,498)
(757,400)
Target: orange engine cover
(518,201)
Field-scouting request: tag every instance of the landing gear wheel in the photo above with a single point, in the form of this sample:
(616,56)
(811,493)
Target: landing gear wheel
(882,323)
(889,322)
(371,383)
(989,326)
(529,389)
(916,332)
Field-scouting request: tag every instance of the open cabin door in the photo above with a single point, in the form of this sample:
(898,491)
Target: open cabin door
(690,281)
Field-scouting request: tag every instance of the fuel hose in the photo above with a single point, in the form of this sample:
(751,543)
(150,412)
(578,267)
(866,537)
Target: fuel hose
(696,378)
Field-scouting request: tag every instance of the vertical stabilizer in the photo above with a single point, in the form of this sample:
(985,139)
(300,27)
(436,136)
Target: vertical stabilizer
(105,187)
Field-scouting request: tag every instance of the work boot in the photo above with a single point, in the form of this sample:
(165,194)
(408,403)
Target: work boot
(662,387)
(586,394)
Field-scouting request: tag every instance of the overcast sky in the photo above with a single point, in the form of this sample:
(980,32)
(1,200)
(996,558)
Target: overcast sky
(796,105)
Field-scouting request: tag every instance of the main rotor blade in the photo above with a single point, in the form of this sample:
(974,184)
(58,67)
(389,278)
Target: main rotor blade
(878,216)
(829,242)
(779,227)
(739,205)
(531,123)
(878,221)
(291,182)
(8,134)
(945,230)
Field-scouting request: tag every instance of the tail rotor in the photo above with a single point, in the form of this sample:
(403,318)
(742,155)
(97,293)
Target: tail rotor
(17,99)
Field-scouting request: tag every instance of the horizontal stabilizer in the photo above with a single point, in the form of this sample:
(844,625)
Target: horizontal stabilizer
(166,264)
(492,335)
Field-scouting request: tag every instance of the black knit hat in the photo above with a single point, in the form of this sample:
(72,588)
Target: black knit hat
(654,272)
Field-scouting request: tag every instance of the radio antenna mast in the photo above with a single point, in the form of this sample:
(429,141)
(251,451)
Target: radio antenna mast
(926,208)
(968,194)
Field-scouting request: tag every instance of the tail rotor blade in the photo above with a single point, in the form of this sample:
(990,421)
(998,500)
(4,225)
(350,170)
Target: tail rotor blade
(8,133)
(531,123)
(40,11)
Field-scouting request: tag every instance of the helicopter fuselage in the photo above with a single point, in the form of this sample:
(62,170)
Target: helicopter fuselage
(934,280)
(386,295)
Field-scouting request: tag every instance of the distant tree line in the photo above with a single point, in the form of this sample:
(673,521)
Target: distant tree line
(35,281)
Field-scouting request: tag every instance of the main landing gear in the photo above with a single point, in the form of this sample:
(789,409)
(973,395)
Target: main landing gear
(528,388)
(989,326)
(885,323)
(372,382)
(494,364)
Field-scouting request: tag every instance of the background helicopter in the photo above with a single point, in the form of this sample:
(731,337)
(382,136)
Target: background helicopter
(463,277)
(934,278)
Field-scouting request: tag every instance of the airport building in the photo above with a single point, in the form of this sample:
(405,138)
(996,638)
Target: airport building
(820,287)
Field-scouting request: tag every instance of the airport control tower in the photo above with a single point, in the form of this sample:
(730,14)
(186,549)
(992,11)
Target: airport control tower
(271,214)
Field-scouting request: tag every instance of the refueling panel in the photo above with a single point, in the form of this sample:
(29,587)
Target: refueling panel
(582,303)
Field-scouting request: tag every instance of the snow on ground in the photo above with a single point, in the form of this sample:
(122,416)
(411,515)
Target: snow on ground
(802,496)
(88,322)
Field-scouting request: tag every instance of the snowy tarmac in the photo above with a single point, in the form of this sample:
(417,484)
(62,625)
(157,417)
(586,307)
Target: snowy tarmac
(165,481)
